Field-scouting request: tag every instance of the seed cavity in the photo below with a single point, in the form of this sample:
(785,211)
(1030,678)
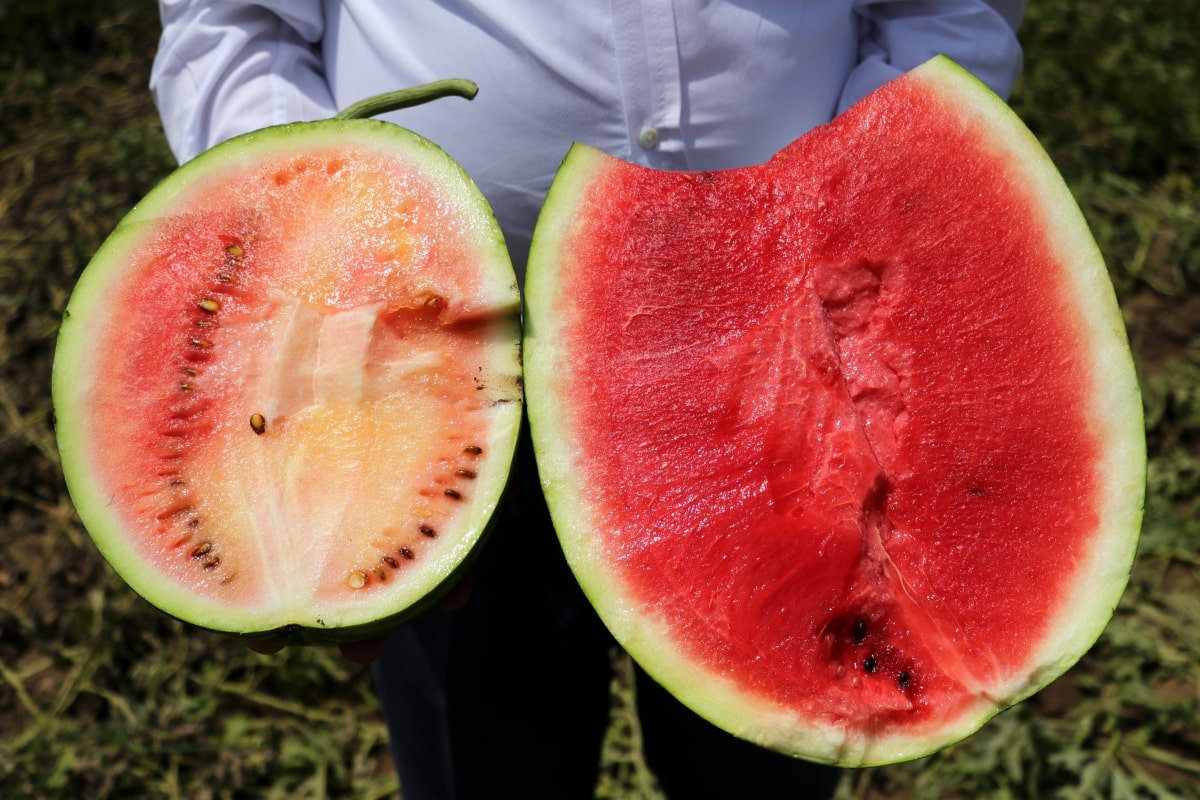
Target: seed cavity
(357,579)
(406,553)
(860,631)
(258,423)
(870,665)
(428,531)
(209,305)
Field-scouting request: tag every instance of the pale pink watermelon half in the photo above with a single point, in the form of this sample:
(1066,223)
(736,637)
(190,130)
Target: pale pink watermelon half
(845,448)
(287,388)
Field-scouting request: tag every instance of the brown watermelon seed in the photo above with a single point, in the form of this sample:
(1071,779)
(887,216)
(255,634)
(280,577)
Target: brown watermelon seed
(453,494)
(235,251)
(258,424)
(428,531)
(189,372)
(404,551)
(869,665)
(391,562)
(202,549)
(473,449)
(358,579)
(380,573)
(187,387)
(211,562)
(203,344)
(903,679)
(464,473)
(860,630)
(209,305)
(194,522)
(227,277)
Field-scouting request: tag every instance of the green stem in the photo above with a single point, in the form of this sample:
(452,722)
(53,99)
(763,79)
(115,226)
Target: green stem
(403,98)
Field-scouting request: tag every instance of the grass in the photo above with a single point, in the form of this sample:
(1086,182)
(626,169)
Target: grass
(102,696)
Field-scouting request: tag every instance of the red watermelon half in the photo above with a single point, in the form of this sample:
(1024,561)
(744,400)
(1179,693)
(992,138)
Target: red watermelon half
(846,448)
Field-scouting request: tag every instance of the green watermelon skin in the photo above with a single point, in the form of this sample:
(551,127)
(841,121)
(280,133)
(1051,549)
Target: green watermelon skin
(846,448)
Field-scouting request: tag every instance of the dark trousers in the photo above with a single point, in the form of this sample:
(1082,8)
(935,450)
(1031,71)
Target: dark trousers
(509,696)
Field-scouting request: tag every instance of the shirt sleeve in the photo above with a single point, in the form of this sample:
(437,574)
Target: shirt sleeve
(226,68)
(897,35)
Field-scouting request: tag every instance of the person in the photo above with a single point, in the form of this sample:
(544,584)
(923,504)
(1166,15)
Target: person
(509,695)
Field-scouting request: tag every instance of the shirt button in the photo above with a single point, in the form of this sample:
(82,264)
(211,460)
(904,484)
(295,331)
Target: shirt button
(648,138)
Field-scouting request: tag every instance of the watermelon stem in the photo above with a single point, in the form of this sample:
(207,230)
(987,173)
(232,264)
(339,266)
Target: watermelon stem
(403,98)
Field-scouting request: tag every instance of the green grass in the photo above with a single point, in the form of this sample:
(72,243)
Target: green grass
(101,696)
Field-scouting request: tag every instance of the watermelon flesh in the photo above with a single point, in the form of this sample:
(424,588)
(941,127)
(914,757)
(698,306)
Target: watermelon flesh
(288,387)
(846,448)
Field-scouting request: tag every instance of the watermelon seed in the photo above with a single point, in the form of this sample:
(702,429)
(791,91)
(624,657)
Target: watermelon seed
(211,562)
(428,531)
(358,579)
(209,305)
(194,522)
(258,424)
(189,372)
(202,549)
(176,482)
(903,679)
(453,494)
(235,251)
(227,277)
(404,551)
(464,473)
(473,449)
(391,562)
(203,344)
(860,631)
(869,665)
(187,387)
(379,573)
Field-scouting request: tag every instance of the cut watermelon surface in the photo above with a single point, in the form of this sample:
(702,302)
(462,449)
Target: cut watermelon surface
(288,389)
(845,448)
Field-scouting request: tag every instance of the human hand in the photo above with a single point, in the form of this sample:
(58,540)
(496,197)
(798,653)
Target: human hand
(365,651)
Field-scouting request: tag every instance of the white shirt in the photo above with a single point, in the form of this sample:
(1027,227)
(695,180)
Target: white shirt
(674,84)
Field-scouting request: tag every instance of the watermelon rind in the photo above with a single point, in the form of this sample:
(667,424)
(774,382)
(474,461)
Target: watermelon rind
(1103,572)
(77,358)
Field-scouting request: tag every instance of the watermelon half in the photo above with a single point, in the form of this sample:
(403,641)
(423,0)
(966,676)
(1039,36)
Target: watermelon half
(845,448)
(287,388)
